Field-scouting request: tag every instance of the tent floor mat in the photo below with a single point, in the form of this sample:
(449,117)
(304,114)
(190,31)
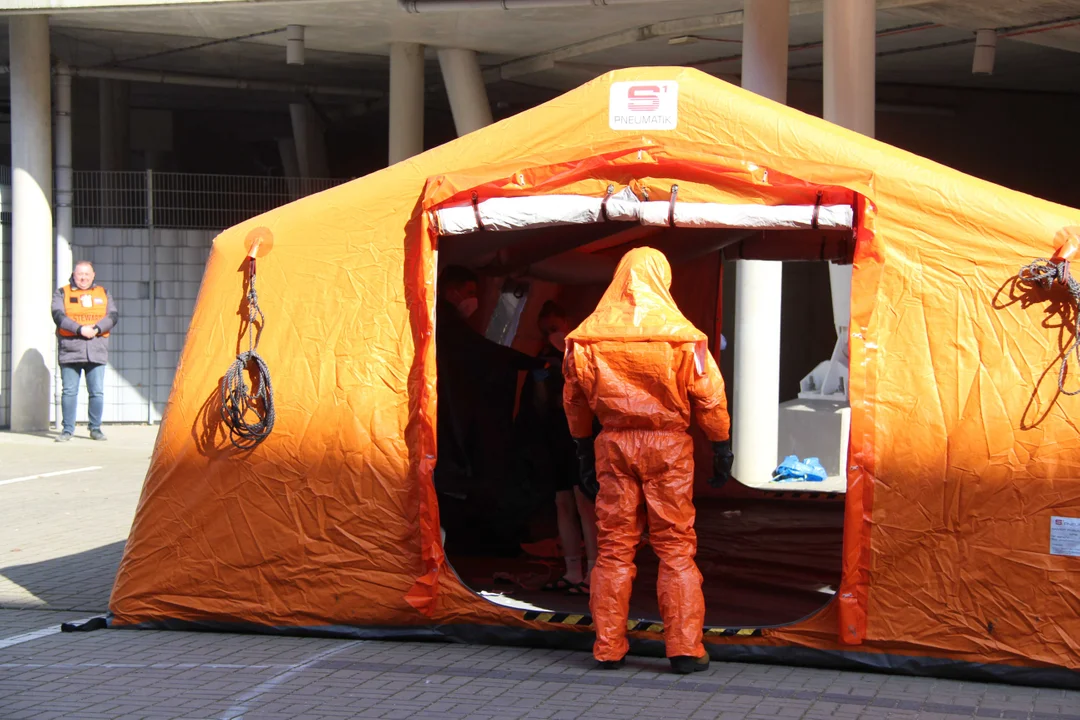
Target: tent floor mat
(764,563)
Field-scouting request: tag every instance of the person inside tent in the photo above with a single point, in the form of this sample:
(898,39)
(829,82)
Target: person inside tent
(477,380)
(640,367)
(549,449)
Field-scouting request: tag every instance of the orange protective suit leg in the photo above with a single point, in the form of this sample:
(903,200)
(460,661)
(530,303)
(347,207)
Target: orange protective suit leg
(657,467)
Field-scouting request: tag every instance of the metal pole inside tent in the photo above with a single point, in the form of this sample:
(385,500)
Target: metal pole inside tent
(153,294)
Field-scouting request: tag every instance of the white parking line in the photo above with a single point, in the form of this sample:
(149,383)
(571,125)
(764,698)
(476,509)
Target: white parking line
(49,474)
(243,703)
(34,635)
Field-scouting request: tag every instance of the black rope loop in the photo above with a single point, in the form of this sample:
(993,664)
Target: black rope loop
(1043,273)
(238,401)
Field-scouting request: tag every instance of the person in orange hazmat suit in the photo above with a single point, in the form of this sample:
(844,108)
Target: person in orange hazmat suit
(642,369)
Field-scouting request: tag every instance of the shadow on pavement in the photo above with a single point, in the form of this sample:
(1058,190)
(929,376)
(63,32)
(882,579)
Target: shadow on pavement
(82,581)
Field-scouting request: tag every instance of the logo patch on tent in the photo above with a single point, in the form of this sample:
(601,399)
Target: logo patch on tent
(644,105)
(1065,536)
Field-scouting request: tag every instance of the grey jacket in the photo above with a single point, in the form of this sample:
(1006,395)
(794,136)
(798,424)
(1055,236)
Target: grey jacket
(74,350)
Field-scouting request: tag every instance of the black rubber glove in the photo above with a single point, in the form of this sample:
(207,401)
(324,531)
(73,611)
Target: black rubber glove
(723,459)
(586,456)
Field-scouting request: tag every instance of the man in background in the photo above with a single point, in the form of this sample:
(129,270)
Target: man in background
(84,313)
(477,385)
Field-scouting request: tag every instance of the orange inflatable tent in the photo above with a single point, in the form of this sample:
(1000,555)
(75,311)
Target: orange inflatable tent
(961,521)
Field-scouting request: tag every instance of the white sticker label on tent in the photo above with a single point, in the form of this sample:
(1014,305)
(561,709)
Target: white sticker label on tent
(644,105)
(1065,536)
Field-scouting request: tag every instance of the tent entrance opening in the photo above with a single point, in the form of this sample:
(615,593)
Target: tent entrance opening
(768,556)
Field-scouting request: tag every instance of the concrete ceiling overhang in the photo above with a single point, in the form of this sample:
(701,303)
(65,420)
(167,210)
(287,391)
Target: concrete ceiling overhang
(553,49)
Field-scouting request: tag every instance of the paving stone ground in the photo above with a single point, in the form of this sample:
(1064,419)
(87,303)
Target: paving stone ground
(60,541)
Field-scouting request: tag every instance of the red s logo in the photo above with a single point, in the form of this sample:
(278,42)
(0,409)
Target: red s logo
(643,98)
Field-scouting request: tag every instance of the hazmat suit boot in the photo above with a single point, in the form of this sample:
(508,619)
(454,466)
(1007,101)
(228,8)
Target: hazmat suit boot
(610,664)
(686,664)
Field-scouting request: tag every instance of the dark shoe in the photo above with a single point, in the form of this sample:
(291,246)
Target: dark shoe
(685,664)
(63,437)
(610,664)
(97,435)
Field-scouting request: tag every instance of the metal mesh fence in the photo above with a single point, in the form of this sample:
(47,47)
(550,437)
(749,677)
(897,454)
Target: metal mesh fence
(182,200)
(148,235)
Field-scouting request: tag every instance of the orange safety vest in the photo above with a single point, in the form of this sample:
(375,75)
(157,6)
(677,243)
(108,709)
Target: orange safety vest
(86,307)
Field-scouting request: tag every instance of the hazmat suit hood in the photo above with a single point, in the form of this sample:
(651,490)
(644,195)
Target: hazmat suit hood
(638,306)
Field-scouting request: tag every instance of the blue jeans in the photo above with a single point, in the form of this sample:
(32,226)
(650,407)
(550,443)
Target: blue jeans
(95,387)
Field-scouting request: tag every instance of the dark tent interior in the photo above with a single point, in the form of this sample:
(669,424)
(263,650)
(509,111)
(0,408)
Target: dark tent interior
(767,558)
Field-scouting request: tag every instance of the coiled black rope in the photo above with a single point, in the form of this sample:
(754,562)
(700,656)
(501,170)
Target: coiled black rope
(1043,273)
(237,401)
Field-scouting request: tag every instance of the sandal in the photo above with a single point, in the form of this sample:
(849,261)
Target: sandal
(581,588)
(560,585)
(564,585)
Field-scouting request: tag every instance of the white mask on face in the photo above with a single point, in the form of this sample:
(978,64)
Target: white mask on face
(558,339)
(468,306)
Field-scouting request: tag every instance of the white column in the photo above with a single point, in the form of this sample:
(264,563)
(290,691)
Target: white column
(64,199)
(849,72)
(64,179)
(33,342)
(765,48)
(756,388)
(406,101)
(466,90)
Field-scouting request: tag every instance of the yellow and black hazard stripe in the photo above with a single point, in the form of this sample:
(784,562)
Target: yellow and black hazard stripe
(559,618)
(795,495)
(586,621)
(732,632)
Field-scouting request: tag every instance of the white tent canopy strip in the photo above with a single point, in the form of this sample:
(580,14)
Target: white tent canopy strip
(752,217)
(518,213)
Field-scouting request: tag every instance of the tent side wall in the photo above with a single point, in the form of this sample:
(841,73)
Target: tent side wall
(316,524)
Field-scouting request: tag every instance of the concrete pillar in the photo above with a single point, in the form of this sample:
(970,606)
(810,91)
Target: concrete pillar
(114,122)
(310,139)
(62,131)
(756,395)
(466,90)
(765,48)
(113,112)
(64,177)
(849,71)
(406,101)
(33,343)
(290,163)
(64,197)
